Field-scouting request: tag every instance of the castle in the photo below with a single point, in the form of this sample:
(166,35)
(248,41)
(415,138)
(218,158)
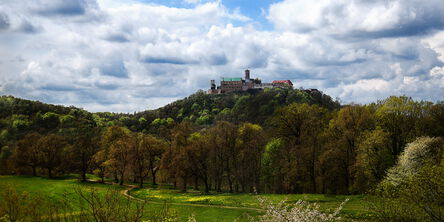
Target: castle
(239,84)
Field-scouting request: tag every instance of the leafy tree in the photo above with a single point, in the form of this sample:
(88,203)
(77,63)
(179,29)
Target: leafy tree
(373,159)
(250,143)
(300,127)
(176,159)
(86,145)
(344,132)
(28,152)
(199,158)
(401,118)
(146,155)
(119,142)
(414,186)
(223,154)
(50,149)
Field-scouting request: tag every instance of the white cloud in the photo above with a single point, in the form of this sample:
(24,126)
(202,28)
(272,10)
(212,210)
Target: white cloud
(126,56)
(360,18)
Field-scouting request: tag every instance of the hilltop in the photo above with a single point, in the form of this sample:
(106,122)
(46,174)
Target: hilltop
(199,108)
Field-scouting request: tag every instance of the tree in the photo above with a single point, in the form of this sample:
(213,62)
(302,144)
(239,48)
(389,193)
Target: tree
(250,143)
(276,169)
(402,118)
(422,151)
(344,132)
(176,159)
(84,147)
(415,183)
(146,156)
(300,127)
(198,152)
(223,154)
(28,152)
(373,159)
(117,143)
(50,149)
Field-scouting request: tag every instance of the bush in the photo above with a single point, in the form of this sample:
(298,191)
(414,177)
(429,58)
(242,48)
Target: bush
(413,189)
(301,211)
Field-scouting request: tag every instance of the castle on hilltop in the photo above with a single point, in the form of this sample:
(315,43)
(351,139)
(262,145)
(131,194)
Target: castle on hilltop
(239,84)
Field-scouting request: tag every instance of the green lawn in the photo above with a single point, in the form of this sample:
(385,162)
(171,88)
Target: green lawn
(356,207)
(184,204)
(64,186)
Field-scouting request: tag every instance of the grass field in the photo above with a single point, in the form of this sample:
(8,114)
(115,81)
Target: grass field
(355,208)
(186,204)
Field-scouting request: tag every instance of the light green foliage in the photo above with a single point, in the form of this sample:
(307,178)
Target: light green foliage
(67,120)
(403,119)
(204,118)
(4,134)
(270,162)
(373,158)
(424,150)
(20,122)
(142,120)
(413,189)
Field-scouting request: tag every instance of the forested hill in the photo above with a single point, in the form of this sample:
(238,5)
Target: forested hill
(199,108)
(251,106)
(276,140)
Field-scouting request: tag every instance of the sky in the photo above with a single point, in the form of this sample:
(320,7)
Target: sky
(134,55)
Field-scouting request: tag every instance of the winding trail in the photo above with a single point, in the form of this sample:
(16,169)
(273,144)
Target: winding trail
(126,193)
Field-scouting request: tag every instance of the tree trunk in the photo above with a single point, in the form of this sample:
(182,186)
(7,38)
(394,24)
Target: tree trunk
(196,183)
(219,185)
(153,172)
(207,188)
(34,171)
(121,178)
(116,180)
(83,174)
(184,184)
(230,184)
(84,168)
(49,173)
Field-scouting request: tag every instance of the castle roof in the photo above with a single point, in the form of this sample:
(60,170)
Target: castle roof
(288,82)
(231,79)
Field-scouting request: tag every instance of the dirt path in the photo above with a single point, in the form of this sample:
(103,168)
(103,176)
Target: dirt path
(125,193)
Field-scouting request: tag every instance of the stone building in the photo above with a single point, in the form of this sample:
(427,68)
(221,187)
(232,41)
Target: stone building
(239,84)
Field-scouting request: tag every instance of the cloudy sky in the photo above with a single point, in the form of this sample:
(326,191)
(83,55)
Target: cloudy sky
(125,56)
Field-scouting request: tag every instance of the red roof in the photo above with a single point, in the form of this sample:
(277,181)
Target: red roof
(288,82)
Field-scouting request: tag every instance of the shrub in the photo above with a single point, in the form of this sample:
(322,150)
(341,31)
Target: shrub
(413,189)
(301,211)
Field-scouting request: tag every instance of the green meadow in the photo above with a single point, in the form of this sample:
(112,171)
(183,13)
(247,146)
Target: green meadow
(205,207)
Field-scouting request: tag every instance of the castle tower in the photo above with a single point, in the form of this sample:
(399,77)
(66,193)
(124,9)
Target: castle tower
(213,84)
(247,74)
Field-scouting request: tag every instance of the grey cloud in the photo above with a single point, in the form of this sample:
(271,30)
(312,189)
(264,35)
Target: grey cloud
(27,27)
(62,7)
(117,38)
(107,86)
(4,21)
(217,59)
(58,87)
(359,19)
(167,60)
(115,69)
(141,56)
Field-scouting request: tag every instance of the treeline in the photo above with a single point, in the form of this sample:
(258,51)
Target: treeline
(278,141)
